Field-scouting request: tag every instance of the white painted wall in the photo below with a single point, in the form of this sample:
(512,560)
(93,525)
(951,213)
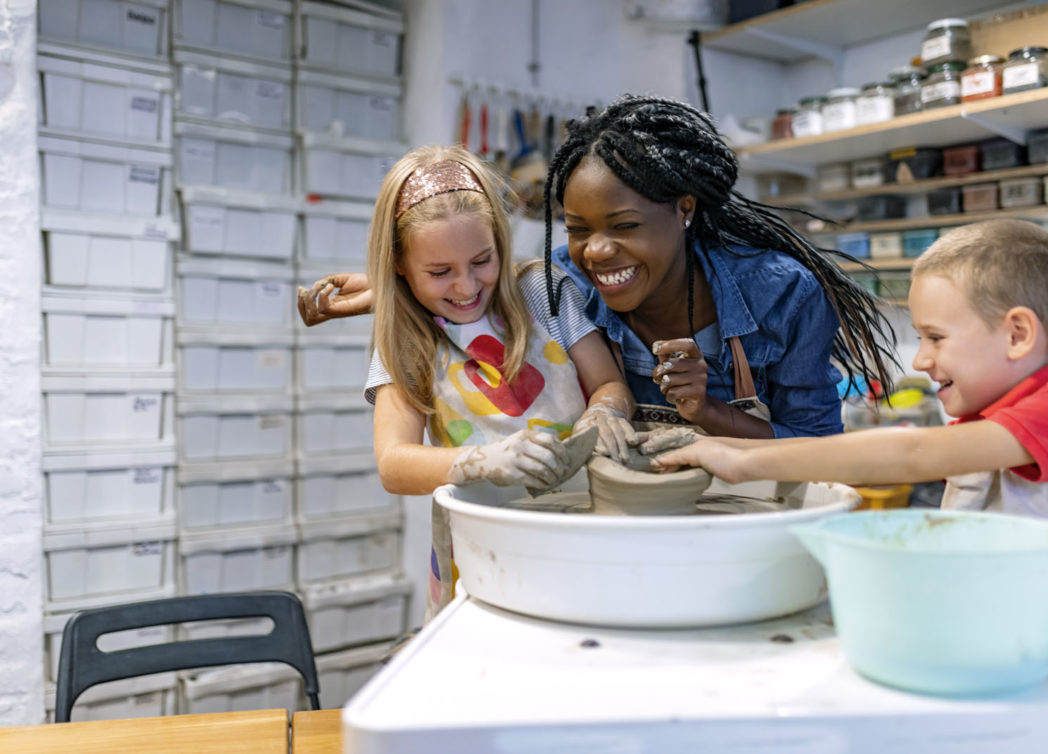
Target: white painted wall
(21,648)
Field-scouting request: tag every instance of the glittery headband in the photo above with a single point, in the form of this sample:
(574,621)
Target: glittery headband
(431,180)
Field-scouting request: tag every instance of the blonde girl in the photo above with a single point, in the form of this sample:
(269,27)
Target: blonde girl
(466,350)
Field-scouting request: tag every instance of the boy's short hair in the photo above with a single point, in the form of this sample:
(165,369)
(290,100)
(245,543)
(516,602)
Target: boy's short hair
(1000,264)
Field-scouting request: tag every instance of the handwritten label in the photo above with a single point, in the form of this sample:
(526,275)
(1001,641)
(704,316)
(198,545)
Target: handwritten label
(271,19)
(383,104)
(270,90)
(272,487)
(147,475)
(140,405)
(280,551)
(383,38)
(271,422)
(271,290)
(271,358)
(936,47)
(145,104)
(142,549)
(141,17)
(155,232)
(143,174)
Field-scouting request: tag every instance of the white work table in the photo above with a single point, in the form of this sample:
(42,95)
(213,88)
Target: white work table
(480,679)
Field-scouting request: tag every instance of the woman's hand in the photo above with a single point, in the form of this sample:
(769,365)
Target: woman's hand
(343,294)
(528,457)
(616,434)
(681,376)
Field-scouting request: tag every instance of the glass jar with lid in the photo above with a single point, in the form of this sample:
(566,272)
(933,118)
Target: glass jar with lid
(982,78)
(907,80)
(946,41)
(807,121)
(943,85)
(782,125)
(876,103)
(838,113)
(1027,68)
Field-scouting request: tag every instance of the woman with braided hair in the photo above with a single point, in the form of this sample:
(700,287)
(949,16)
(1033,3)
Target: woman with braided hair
(723,316)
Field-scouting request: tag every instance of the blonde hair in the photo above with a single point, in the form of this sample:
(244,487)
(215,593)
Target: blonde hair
(999,264)
(404,333)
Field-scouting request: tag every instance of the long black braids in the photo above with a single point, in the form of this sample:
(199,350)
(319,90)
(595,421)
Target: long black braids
(663,149)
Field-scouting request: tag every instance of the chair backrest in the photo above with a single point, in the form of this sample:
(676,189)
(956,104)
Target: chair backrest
(82,664)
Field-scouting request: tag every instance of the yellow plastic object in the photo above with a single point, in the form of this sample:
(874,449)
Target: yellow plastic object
(887,496)
(907,398)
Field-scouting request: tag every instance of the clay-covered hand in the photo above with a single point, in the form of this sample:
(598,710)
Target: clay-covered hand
(529,457)
(616,434)
(681,375)
(345,294)
(660,440)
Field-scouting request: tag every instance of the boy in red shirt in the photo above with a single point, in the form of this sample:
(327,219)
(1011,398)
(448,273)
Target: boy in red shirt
(979,301)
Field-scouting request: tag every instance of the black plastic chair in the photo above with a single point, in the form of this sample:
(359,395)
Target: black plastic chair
(82,664)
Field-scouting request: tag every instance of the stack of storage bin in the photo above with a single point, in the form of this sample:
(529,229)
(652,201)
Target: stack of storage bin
(108,310)
(347,122)
(235,177)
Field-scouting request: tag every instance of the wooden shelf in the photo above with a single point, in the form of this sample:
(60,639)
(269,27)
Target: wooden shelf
(901,263)
(1037,212)
(1012,115)
(916,187)
(825,28)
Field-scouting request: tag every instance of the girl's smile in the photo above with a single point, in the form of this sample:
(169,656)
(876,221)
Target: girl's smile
(452,267)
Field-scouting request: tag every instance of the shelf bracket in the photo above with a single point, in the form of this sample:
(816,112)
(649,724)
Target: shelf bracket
(1007,130)
(786,166)
(833,53)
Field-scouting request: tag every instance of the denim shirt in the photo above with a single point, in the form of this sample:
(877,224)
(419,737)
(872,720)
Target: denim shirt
(783,319)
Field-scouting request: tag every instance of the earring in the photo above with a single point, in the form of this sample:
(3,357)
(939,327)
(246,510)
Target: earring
(687,223)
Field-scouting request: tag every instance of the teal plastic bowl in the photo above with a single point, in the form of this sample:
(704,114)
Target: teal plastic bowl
(940,602)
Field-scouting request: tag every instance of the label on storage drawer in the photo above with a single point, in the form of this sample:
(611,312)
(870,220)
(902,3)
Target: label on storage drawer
(270,422)
(143,549)
(141,16)
(269,90)
(272,358)
(383,38)
(271,19)
(279,551)
(272,487)
(145,104)
(147,475)
(144,174)
(936,47)
(383,104)
(271,290)
(1027,74)
(141,404)
(155,232)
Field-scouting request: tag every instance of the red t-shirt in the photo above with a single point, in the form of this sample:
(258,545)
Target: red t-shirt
(1023,411)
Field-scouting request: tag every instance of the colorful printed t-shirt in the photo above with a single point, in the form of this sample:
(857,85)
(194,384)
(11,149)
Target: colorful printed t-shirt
(475,406)
(1022,490)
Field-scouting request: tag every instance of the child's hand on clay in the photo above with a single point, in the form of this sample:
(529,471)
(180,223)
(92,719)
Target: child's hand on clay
(617,435)
(659,440)
(529,457)
(719,459)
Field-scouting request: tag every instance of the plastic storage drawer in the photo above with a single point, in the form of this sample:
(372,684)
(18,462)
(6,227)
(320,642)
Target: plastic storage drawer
(252,28)
(264,685)
(330,424)
(145,696)
(356,611)
(235,495)
(235,427)
(344,548)
(55,623)
(349,41)
(339,486)
(233,92)
(332,365)
(107,408)
(237,560)
(98,251)
(224,362)
(343,674)
(347,107)
(1037,146)
(979,197)
(107,564)
(885,245)
(234,293)
(132,26)
(233,159)
(105,96)
(96,177)
(345,168)
(83,330)
(915,242)
(238,223)
(336,233)
(998,154)
(84,485)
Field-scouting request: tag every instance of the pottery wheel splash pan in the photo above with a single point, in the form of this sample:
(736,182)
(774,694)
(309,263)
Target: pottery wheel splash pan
(641,571)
